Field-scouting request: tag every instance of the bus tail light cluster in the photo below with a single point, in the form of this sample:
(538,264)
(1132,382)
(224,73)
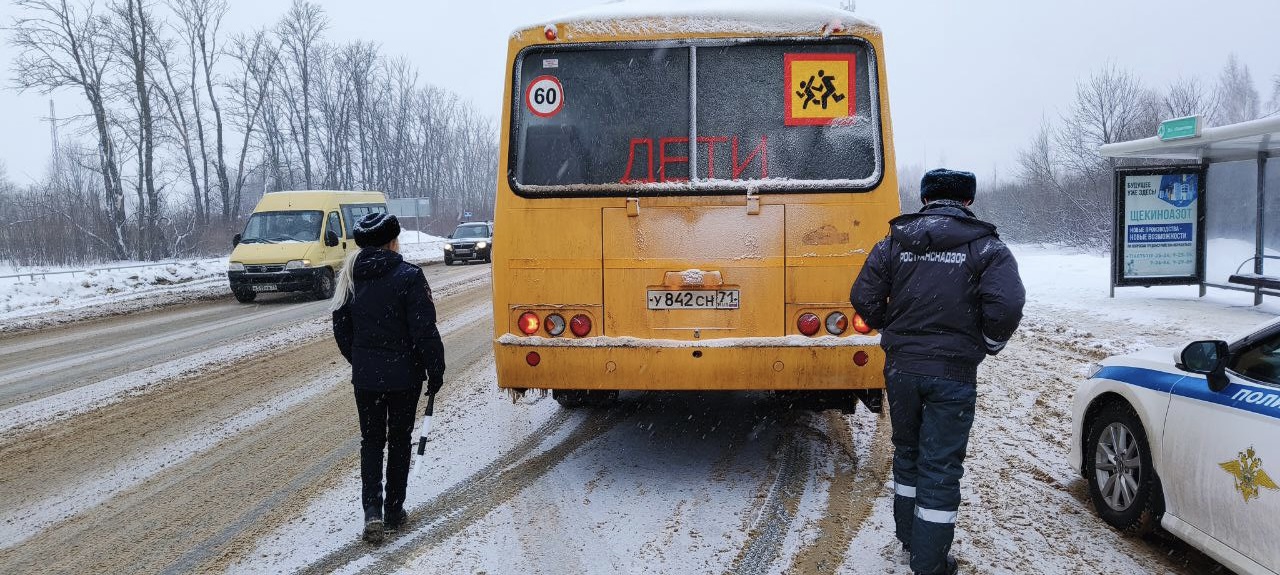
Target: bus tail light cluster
(553,324)
(836,323)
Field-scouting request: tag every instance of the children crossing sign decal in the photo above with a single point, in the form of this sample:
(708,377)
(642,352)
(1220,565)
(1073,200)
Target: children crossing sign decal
(820,88)
(544,96)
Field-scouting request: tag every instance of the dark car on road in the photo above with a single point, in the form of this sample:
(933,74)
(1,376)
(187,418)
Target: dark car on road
(471,242)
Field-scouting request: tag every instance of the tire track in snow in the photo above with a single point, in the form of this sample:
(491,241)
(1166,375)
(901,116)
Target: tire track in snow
(764,542)
(472,498)
(857,483)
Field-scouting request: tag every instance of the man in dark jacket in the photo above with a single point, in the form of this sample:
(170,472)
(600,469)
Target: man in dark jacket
(944,292)
(386,328)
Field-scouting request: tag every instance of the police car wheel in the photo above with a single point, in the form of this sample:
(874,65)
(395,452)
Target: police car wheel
(1122,480)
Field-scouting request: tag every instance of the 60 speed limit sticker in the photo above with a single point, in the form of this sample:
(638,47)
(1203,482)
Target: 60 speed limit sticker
(544,96)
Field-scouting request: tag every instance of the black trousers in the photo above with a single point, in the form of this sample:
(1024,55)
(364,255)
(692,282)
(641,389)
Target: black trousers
(386,421)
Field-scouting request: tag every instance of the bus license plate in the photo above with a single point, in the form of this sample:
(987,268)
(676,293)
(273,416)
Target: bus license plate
(693,299)
(265,287)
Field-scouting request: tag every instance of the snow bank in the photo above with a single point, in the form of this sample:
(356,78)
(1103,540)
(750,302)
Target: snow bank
(41,290)
(33,299)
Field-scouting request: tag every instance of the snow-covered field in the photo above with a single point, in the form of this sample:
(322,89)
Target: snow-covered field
(29,299)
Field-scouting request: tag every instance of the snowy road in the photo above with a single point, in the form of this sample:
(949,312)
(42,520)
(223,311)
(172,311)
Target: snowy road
(249,463)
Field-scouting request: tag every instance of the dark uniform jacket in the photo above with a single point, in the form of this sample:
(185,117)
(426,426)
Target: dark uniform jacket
(943,290)
(387,328)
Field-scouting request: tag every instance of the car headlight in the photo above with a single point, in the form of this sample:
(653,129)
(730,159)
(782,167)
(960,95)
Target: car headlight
(448,247)
(1094,368)
(482,245)
(297,264)
(235,267)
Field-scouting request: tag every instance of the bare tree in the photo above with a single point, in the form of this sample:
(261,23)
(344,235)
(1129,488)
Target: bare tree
(300,32)
(1111,106)
(176,105)
(60,47)
(1237,95)
(201,22)
(1275,96)
(132,36)
(259,60)
(1188,97)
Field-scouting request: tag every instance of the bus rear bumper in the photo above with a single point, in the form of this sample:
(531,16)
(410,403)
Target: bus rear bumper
(786,363)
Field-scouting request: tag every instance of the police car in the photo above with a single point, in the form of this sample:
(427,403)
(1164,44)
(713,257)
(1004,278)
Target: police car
(1190,439)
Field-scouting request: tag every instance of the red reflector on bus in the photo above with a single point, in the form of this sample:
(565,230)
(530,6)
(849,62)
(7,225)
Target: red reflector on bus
(808,324)
(861,358)
(580,325)
(534,359)
(860,325)
(528,323)
(550,33)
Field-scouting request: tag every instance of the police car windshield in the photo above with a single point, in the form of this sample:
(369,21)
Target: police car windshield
(277,227)
(784,116)
(471,232)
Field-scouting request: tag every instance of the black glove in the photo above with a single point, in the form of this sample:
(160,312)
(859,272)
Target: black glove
(434,382)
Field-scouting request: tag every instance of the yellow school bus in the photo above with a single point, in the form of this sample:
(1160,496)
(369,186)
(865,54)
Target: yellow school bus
(685,199)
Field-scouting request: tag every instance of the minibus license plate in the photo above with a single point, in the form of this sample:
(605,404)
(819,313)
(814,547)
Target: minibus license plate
(265,287)
(693,299)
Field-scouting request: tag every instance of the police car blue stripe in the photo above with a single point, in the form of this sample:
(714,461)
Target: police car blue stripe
(1254,399)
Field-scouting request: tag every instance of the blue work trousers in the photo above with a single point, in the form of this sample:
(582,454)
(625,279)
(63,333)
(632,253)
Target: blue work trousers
(931,421)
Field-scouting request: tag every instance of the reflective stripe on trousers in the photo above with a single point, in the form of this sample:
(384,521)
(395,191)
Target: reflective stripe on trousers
(936,515)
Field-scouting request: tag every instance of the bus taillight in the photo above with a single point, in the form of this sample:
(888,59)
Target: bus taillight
(554,324)
(808,324)
(860,325)
(528,323)
(580,325)
(837,323)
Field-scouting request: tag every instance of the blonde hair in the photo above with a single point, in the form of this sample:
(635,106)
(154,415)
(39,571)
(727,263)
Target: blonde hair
(346,284)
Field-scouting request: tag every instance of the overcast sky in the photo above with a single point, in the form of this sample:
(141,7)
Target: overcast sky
(970,82)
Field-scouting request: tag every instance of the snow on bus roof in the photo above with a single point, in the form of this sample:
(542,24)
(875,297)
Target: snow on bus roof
(706,16)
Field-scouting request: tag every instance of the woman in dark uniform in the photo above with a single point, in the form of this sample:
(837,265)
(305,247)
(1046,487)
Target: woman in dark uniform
(385,324)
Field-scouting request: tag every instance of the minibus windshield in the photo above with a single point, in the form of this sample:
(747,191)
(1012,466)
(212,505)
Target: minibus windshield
(282,227)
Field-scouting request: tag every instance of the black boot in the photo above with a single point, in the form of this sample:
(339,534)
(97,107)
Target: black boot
(952,567)
(394,517)
(373,525)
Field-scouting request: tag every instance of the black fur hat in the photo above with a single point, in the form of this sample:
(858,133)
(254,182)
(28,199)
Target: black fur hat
(376,230)
(944,184)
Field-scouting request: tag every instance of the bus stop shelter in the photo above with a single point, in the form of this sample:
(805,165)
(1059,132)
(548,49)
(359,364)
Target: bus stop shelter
(1240,212)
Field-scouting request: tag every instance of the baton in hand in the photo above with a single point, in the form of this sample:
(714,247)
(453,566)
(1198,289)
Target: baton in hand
(422,433)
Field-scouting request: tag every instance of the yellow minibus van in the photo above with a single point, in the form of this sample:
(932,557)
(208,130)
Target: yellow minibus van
(684,200)
(296,241)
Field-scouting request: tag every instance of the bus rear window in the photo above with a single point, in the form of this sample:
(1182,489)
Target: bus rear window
(581,108)
(779,116)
